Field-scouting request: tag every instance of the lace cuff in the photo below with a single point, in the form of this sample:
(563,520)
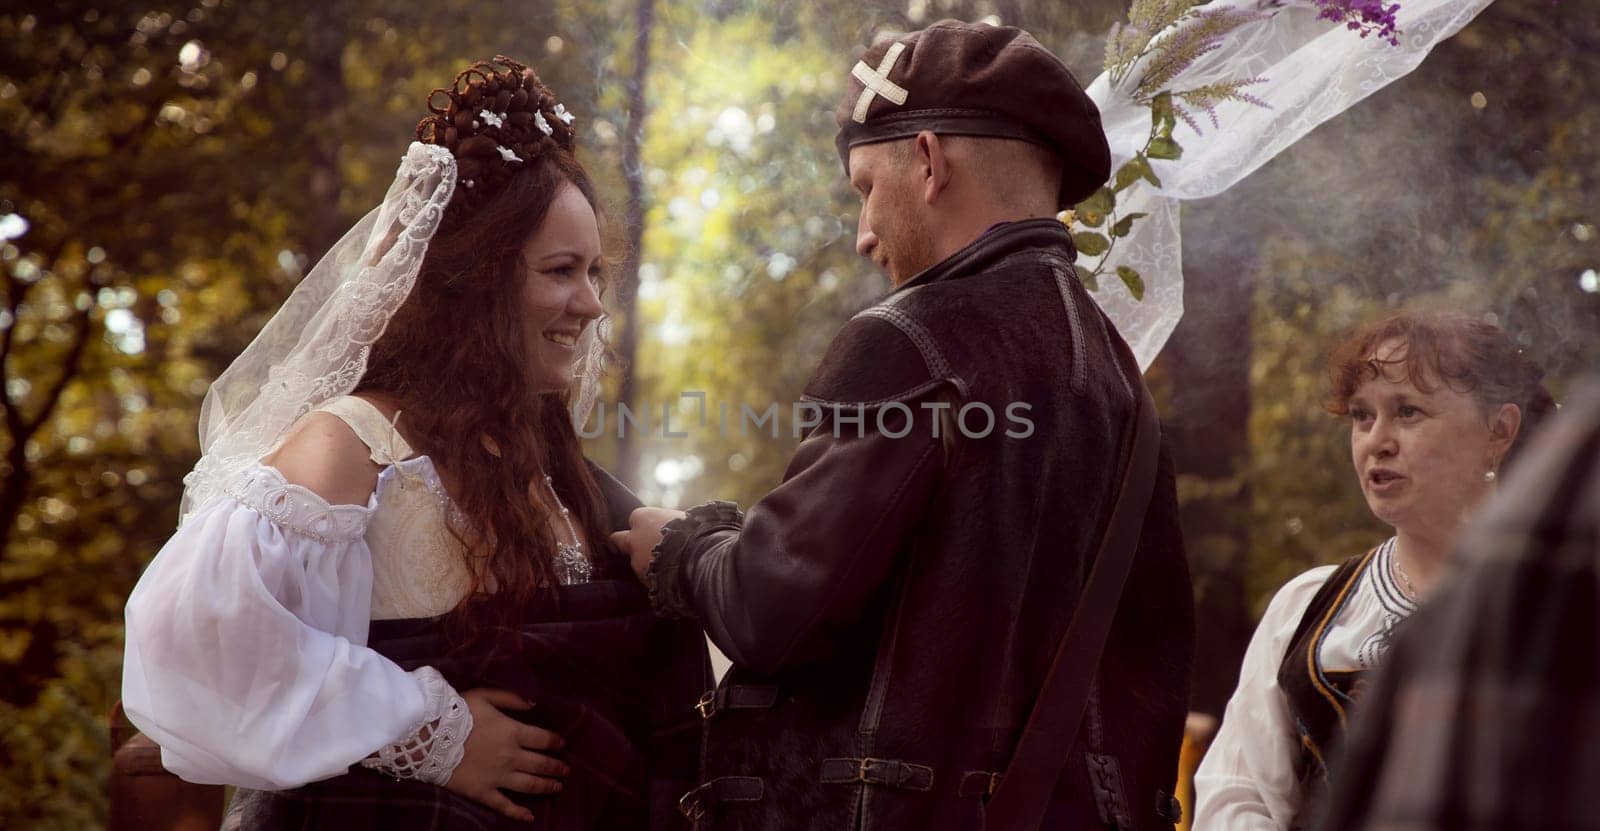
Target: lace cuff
(432,752)
(669,590)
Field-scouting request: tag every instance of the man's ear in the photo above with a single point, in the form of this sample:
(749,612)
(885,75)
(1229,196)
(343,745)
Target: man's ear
(933,164)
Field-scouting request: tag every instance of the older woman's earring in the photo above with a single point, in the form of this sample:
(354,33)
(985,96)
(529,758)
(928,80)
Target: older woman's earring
(1489,476)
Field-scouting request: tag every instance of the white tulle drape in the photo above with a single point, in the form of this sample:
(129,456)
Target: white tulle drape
(1314,70)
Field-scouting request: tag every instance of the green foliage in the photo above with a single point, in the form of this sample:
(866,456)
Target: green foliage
(1208,96)
(1102,201)
(1101,208)
(1307,507)
(749,262)
(58,751)
(1091,244)
(1125,224)
(1128,42)
(1167,57)
(1132,280)
(1131,171)
(1164,148)
(1093,211)
(1185,34)
(1163,118)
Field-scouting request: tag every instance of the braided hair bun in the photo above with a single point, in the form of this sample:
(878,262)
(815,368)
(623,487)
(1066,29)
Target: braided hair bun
(496,118)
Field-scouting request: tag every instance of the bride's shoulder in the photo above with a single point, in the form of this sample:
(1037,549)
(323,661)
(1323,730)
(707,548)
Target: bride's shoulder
(324,455)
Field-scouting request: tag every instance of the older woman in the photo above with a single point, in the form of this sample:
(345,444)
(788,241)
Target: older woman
(1438,404)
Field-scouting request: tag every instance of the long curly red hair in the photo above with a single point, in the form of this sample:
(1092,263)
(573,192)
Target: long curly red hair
(454,357)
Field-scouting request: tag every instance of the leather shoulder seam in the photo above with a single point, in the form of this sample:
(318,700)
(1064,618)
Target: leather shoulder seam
(927,346)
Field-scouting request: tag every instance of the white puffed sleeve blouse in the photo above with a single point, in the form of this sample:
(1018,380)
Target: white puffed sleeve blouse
(1247,780)
(246,659)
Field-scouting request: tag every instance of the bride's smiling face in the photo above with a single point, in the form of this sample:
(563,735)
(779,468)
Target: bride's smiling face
(560,266)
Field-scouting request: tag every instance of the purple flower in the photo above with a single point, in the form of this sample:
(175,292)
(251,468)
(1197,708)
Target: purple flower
(1368,17)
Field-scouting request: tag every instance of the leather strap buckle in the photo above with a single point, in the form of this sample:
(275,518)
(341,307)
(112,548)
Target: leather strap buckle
(736,697)
(978,783)
(691,807)
(698,803)
(888,773)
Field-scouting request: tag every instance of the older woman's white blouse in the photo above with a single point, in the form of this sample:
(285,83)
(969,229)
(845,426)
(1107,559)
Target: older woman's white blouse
(246,656)
(1247,780)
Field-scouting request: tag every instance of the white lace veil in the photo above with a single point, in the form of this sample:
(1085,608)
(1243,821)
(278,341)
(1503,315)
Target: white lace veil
(315,348)
(1314,70)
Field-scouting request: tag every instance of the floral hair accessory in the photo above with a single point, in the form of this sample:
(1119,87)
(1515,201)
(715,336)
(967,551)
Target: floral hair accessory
(495,118)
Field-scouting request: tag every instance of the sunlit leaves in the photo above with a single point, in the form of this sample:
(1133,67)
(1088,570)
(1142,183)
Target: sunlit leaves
(749,241)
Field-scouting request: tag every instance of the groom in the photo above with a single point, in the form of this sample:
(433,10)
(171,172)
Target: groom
(894,607)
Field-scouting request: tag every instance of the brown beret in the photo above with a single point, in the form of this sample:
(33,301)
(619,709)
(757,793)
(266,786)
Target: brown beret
(973,79)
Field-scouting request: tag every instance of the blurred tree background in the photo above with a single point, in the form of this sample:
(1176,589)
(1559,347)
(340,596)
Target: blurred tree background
(168,171)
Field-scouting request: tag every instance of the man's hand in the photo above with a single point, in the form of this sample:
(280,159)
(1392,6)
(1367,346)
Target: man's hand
(503,753)
(642,535)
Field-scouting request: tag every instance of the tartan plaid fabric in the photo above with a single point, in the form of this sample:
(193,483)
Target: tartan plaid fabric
(1487,713)
(616,682)
(363,800)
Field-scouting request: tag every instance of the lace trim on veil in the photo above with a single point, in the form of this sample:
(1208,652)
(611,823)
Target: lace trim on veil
(315,348)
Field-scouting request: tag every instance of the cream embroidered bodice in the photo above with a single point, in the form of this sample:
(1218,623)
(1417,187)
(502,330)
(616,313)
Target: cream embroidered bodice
(417,566)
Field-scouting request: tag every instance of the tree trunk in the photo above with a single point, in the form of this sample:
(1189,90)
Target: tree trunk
(326,35)
(628,282)
(1207,368)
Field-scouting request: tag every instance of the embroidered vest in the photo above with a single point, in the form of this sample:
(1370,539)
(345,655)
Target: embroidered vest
(1319,699)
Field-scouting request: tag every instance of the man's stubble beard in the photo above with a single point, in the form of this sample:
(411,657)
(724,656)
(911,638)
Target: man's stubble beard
(911,251)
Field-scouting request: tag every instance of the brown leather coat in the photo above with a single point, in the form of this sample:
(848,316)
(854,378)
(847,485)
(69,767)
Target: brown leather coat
(892,607)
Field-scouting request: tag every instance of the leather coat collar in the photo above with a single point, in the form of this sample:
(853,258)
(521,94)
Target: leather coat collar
(987,250)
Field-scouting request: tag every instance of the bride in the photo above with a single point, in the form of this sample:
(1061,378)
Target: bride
(392,600)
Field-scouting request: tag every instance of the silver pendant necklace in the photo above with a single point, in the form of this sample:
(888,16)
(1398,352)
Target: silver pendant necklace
(1405,579)
(572,565)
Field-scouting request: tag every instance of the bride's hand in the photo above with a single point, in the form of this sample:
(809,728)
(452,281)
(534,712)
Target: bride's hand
(502,752)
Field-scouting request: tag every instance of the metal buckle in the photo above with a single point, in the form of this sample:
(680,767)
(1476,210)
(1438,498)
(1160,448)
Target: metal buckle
(689,805)
(893,773)
(707,706)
